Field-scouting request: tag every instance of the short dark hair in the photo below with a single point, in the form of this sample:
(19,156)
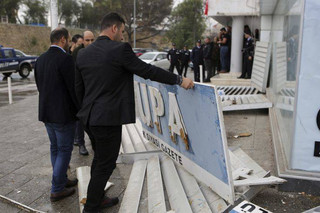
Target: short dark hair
(111,19)
(58,33)
(76,37)
(223,29)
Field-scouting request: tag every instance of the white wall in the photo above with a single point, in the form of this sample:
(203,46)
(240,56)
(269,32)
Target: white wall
(233,8)
(308,99)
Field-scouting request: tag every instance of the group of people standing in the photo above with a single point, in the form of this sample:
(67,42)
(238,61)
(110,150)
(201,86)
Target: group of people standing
(214,55)
(95,89)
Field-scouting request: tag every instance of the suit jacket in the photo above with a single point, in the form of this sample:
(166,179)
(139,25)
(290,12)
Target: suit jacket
(104,82)
(54,75)
(197,55)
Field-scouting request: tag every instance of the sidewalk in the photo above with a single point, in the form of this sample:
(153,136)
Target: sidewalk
(25,168)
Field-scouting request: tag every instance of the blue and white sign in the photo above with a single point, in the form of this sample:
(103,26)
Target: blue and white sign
(188,126)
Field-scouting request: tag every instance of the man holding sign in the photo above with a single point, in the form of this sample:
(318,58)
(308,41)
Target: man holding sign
(104,87)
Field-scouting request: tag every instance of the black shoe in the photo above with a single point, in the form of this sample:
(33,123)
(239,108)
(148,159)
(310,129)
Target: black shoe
(71,183)
(240,77)
(75,143)
(84,211)
(108,202)
(83,150)
(60,195)
(248,77)
(206,80)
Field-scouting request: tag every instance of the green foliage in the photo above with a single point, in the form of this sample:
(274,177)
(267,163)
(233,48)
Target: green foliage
(36,12)
(187,23)
(69,11)
(10,8)
(33,41)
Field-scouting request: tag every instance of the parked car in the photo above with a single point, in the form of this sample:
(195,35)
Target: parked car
(12,60)
(141,51)
(158,59)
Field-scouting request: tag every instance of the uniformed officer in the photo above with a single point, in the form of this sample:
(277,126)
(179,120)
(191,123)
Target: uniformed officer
(247,55)
(197,59)
(174,57)
(185,59)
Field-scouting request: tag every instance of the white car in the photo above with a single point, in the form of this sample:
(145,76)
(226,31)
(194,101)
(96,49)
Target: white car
(158,59)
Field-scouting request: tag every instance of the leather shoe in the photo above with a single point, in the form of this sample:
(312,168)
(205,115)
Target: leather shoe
(60,195)
(83,150)
(240,77)
(84,211)
(108,202)
(75,143)
(71,183)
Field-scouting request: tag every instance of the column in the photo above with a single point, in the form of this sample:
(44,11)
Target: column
(237,43)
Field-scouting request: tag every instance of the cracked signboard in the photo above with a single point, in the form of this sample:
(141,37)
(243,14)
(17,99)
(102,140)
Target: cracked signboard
(188,126)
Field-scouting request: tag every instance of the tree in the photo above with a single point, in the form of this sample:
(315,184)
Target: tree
(10,8)
(150,15)
(88,17)
(36,12)
(187,23)
(69,11)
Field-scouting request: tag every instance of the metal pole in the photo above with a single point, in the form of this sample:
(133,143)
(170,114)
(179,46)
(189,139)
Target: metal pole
(134,23)
(9,90)
(54,14)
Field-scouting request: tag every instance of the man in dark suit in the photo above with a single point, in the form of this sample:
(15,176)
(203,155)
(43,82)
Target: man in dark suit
(174,57)
(79,132)
(197,60)
(104,87)
(54,75)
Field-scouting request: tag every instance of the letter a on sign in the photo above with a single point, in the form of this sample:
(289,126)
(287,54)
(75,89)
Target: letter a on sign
(157,106)
(143,103)
(176,124)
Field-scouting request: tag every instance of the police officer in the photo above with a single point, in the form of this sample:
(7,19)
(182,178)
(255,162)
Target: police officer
(207,57)
(197,59)
(247,55)
(185,59)
(174,57)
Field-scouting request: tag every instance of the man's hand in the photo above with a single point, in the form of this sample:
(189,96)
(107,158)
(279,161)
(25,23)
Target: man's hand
(187,83)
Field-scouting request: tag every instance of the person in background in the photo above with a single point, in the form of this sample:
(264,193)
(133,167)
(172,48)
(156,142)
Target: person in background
(207,58)
(197,60)
(215,55)
(248,55)
(185,59)
(229,32)
(76,41)
(79,133)
(58,106)
(174,57)
(224,44)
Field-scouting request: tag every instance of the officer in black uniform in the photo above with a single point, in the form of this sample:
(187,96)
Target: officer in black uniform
(185,59)
(197,59)
(247,55)
(174,57)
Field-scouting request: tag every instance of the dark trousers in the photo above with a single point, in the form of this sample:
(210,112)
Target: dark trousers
(209,68)
(79,134)
(196,71)
(184,65)
(247,67)
(106,142)
(61,144)
(175,64)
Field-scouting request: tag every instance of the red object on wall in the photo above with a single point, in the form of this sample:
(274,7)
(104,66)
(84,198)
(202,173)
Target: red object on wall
(206,8)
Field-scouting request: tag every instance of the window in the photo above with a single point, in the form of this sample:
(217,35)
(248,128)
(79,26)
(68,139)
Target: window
(8,53)
(19,54)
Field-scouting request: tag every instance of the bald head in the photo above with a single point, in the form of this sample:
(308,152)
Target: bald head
(88,38)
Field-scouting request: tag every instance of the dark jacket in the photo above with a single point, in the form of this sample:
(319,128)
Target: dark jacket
(197,55)
(76,51)
(185,56)
(174,56)
(104,82)
(207,51)
(248,47)
(54,75)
